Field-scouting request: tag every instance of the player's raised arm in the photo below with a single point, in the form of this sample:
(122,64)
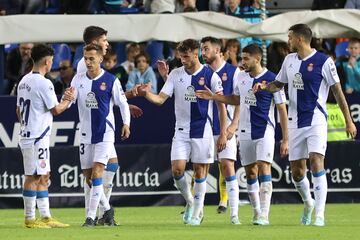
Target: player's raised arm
(272,87)
(209,95)
(163,69)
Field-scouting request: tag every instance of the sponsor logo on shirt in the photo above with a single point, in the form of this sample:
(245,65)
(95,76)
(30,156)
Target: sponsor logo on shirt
(103,86)
(310,67)
(250,98)
(298,83)
(190,94)
(91,101)
(24,86)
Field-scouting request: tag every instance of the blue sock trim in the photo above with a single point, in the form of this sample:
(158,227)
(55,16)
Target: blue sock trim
(251,181)
(178,177)
(319,174)
(42,194)
(29,193)
(200,180)
(265,178)
(112,167)
(230,178)
(96,182)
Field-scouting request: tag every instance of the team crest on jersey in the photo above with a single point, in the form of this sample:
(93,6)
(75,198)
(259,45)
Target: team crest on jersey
(91,101)
(250,98)
(43,164)
(103,86)
(298,82)
(224,77)
(201,81)
(310,67)
(190,94)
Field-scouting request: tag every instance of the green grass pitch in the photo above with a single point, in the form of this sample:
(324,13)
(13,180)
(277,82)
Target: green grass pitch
(165,223)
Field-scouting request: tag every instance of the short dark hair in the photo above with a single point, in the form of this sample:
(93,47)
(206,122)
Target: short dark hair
(212,40)
(142,54)
(92,33)
(302,30)
(253,49)
(109,54)
(92,46)
(40,51)
(354,40)
(188,45)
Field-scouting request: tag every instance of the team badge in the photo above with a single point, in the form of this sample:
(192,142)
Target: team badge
(43,164)
(263,82)
(103,86)
(202,81)
(224,77)
(310,67)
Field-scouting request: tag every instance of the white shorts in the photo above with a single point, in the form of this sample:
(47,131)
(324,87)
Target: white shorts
(303,141)
(199,150)
(112,153)
(99,152)
(259,149)
(36,156)
(229,152)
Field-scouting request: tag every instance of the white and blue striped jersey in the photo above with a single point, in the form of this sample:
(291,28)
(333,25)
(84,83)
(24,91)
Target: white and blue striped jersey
(36,97)
(229,76)
(193,115)
(81,66)
(95,99)
(308,81)
(256,110)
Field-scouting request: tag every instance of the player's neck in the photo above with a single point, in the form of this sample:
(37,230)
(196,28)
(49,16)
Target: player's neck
(192,70)
(216,64)
(304,51)
(93,74)
(257,70)
(39,69)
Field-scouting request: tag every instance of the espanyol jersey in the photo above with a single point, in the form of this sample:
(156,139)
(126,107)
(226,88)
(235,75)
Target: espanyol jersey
(96,98)
(193,115)
(228,75)
(36,97)
(81,66)
(308,81)
(256,110)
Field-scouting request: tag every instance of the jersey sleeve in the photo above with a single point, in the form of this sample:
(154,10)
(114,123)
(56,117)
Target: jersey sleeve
(236,89)
(47,94)
(329,72)
(282,76)
(169,85)
(216,83)
(81,66)
(279,97)
(121,101)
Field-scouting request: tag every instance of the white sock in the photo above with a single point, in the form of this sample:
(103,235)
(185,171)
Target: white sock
(265,195)
(232,188)
(303,187)
(29,197)
(320,191)
(42,202)
(108,178)
(184,188)
(253,191)
(199,196)
(87,189)
(96,192)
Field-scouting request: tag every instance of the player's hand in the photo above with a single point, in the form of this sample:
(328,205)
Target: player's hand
(69,94)
(230,131)
(125,132)
(206,94)
(284,148)
(259,87)
(221,142)
(135,111)
(143,89)
(134,90)
(163,69)
(351,130)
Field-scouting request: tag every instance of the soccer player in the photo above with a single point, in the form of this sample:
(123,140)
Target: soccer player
(256,129)
(211,51)
(193,137)
(98,35)
(36,105)
(309,75)
(96,93)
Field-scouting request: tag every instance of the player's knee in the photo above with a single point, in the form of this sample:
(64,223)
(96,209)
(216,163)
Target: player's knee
(177,172)
(298,174)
